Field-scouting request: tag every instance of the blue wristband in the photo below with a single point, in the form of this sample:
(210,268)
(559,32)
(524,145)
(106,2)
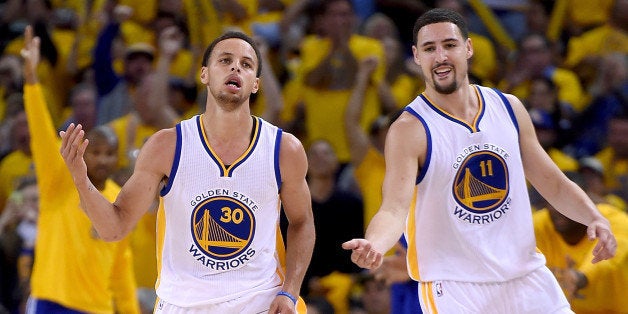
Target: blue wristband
(290,296)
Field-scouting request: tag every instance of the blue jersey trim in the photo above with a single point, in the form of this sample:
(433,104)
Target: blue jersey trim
(256,136)
(277,149)
(428,153)
(475,125)
(175,162)
(201,136)
(508,106)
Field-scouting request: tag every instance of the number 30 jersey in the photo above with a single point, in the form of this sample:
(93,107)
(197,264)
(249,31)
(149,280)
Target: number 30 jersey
(220,225)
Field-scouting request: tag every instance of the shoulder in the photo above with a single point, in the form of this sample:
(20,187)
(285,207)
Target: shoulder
(407,136)
(407,125)
(163,137)
(290,144)
(158,151)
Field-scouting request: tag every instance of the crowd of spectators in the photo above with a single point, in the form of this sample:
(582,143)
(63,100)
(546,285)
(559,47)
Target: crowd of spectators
(336,72)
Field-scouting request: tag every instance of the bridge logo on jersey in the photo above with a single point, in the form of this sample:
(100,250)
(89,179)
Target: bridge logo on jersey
(222,229)
(481,187)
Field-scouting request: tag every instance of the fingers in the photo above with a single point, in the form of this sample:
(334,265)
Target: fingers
(362,254)
(605,248)
(351,244)
(73,143)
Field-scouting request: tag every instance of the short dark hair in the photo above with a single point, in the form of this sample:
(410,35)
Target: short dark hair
(440,15)
(238,35)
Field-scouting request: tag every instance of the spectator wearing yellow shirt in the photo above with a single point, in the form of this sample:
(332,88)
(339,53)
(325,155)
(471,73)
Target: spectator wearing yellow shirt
(615,156)
(68,249)
(535,59)
(327,72)
(18,162)
(584,51)
(401,83)
(590,288)
(592,172)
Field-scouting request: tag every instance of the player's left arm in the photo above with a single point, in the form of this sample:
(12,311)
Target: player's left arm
(566,196)
(297,205)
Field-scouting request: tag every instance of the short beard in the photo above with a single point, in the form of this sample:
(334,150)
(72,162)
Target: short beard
(446,89)
(228,102)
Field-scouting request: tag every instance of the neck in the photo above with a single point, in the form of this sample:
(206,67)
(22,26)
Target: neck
(223,125)
(462,103)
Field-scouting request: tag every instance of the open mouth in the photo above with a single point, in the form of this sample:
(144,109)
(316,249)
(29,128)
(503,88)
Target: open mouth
(234,82)
(442,71)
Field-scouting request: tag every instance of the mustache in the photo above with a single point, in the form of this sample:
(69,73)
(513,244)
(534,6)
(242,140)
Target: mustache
(442,64)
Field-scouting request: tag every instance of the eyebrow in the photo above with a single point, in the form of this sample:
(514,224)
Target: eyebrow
(448,40)
(226,53)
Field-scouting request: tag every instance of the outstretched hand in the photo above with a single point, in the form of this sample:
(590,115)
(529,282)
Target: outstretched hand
(73,145)
(363,254)
(606,245)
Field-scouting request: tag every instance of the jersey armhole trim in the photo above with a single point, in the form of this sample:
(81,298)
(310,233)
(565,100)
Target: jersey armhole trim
(277,150)
(509,108)
(428,152)
(175,162)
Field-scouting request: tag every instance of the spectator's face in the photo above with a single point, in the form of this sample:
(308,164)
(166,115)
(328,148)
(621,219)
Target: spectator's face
(376,297)
(564,225)
(10,72)
(338,20)
(30,202)
(322,159)
(20,136)
(542,96)
(84,108)
(101,157)
(535,54)
(137,67)
(618,137)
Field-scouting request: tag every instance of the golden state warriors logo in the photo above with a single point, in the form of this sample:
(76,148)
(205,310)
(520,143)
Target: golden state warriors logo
(222,229)
(481,187)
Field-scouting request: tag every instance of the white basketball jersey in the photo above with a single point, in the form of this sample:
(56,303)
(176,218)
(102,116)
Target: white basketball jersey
(471,218)
(221,221)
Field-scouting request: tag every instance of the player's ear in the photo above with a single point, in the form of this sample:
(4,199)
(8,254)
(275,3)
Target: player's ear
(469,48)
(255,85)
(415,54)
(204,75)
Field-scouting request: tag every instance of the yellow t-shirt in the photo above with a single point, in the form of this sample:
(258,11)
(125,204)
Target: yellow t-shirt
(596,42)
(589,13)
(405,88)
(13,167)
(567,85)
(126,132)
(483,62)
(73,267)
(608,280)
(613,168)
(324,109)
(144,246)
(370,176)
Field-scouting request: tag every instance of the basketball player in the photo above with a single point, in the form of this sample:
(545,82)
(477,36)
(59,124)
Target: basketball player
(457,155)
(223,176)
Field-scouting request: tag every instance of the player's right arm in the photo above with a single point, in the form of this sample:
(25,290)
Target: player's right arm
(404,151)
(113,221)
